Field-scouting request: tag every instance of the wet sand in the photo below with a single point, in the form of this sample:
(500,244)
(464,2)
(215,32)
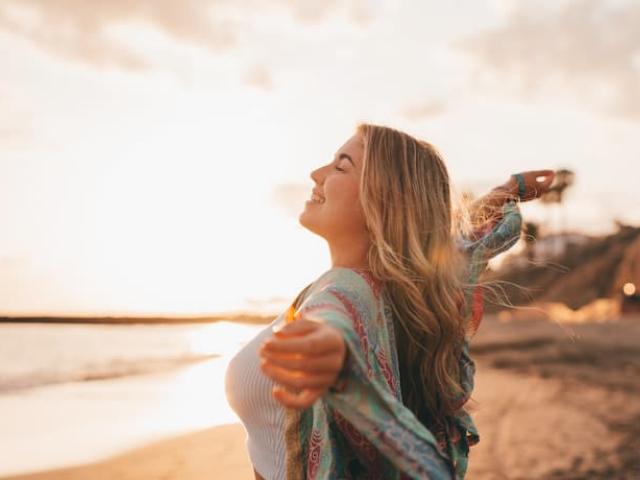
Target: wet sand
(215,453)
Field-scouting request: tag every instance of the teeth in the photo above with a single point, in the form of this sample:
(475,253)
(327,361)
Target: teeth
(316,199)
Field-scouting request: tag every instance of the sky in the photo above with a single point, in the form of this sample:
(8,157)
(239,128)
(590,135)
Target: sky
(155,154)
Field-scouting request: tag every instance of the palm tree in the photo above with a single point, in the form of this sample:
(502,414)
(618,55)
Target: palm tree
(531,231)
(563,179)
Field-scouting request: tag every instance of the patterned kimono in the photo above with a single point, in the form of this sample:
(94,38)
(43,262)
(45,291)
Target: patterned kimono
(360,429)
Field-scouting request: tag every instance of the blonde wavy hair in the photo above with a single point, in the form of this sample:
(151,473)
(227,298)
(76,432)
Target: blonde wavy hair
(406,198)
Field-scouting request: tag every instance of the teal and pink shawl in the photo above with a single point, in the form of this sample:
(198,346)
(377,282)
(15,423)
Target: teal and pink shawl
(360,429)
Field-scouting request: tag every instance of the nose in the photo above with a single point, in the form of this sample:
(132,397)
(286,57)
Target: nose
(317,175)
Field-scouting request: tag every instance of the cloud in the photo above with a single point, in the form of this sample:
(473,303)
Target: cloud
(360,12)
(291,197)
(16,125)
(586,48)
(12,136)
(9,262)
(80,29)
(424,110)
(260,77)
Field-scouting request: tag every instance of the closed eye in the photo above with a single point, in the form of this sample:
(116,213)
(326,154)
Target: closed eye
(339,169)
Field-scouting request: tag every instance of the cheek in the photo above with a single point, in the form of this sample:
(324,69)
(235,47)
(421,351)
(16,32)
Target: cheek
(342,193)
(343,200)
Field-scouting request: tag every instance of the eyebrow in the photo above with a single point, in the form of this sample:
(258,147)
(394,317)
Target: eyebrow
(344,155)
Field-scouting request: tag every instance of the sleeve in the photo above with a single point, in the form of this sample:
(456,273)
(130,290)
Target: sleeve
(495,236)
(363,395)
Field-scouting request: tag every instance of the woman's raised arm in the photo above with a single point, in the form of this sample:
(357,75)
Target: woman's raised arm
(496,226)
(523,186)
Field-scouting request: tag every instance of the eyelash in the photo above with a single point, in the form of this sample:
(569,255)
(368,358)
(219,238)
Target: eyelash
(339,169)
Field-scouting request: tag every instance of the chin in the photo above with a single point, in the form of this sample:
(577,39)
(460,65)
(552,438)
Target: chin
(303,220)
(306,222)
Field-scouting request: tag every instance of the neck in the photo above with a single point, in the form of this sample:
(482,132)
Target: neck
(350,253)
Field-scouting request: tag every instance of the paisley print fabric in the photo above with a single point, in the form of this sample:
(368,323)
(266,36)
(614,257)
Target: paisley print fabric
(360,429)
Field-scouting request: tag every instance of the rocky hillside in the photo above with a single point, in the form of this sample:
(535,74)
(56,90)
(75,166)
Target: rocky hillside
(582,274)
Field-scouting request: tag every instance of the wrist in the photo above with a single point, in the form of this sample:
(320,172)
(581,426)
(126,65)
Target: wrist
(508,190)
(518,185)
(511,185)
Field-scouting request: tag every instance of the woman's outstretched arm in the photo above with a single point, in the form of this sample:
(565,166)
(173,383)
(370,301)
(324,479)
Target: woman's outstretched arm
(354,384)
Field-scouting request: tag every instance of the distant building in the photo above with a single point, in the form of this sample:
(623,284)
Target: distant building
(548,247)
(630,302)
(588,270)
(557,244)
(627,279)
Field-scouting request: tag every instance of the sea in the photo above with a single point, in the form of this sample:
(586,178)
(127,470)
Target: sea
(77,393)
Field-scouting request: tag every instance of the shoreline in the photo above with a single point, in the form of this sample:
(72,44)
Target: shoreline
(132,320)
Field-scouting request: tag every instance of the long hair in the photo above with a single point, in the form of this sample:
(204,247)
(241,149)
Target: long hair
(406,198)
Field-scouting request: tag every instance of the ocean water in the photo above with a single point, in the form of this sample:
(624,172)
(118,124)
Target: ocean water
(71,394)
(34,355)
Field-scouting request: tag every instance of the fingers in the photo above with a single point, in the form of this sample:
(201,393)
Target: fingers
(539,173)
(295,379)
(314,343)
(300,400)
(302,363)
(306,355)
(536,189)
(537,182)
(544,185)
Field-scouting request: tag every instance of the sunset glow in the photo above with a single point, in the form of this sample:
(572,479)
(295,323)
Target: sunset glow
(157,162)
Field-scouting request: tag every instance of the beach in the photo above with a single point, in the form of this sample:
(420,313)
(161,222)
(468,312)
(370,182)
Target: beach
(210,454)
(557,401)
(551,402)
(95,392)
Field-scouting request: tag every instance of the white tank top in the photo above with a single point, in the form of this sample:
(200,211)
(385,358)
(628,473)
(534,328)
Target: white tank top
(248,392)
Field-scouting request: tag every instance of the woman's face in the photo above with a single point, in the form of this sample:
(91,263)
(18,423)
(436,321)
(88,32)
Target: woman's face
(334,210)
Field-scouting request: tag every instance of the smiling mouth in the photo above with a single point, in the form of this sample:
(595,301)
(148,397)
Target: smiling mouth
(315,198)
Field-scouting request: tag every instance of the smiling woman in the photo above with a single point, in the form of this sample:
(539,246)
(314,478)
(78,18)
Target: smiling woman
(334,211)
(370,378)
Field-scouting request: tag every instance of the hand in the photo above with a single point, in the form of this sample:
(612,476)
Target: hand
(306,354)
(536,183)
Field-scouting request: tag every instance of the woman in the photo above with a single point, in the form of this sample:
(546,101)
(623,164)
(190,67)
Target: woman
(370,379)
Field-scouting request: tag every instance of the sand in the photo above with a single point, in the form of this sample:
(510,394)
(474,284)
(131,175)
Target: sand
(549,404)
(216,453)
